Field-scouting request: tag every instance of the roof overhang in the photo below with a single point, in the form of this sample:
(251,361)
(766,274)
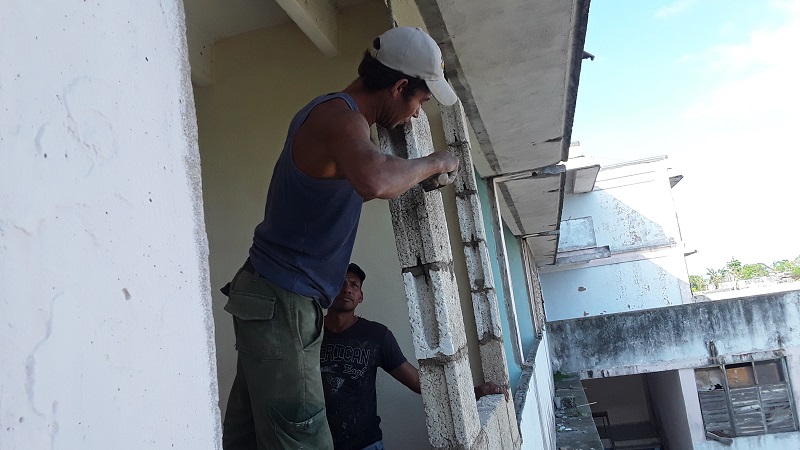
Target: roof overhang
(516,66)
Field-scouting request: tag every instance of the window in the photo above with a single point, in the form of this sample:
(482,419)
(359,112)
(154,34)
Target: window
(746,399)
(534,290)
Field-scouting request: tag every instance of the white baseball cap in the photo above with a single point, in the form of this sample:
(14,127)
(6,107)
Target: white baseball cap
(413,52)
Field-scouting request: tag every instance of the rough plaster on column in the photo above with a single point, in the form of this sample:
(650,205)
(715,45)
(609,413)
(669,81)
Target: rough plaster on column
(490,424)
(498,422)
(453,408)
(493,359)
(435,313)
(423,249)
(414,211)
(476,253)
(484,298)
(438,413)
(481,442)
(510,418)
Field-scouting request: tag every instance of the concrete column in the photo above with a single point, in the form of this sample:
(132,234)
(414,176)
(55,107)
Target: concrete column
(476,252)
(437,326)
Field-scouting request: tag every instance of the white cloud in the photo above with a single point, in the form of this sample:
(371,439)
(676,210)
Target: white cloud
(741,150)
(757,78)
(673,9)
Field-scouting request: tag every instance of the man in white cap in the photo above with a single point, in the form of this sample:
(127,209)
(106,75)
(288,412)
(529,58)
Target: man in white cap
(300,251)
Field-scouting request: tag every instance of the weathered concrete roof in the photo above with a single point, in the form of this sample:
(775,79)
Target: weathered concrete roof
(682,336)
(515,67)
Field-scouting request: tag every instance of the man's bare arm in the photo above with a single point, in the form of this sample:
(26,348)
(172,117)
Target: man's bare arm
(372,173)
(408,375)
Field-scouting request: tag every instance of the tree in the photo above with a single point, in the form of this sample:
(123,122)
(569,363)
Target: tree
(786,267)
(697,283)
(716,276)
(750,271)
(781,266)
(734,267)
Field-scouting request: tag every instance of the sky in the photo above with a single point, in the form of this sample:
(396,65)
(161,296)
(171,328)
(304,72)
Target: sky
(715,86)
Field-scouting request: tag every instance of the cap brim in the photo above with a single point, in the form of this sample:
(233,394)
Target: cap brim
(442,92)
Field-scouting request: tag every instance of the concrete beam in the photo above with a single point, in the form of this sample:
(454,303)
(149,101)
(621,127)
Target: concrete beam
(318,20)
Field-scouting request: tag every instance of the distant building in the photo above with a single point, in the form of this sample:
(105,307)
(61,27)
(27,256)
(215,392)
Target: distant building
(661,370)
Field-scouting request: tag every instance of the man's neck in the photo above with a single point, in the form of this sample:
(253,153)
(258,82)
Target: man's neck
(368,102)
(337,322)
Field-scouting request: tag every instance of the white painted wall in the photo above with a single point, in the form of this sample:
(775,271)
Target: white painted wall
(666,393)
(106,339)
(613,288)
(631,206)
(633,214)
(537,424)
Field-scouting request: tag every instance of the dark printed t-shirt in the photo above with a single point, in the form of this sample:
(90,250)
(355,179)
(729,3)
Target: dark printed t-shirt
(349,362)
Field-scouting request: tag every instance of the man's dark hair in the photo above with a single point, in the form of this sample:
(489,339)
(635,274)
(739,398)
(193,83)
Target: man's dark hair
(376,76)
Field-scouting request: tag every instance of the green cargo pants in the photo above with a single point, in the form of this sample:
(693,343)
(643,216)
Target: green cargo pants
(276,400)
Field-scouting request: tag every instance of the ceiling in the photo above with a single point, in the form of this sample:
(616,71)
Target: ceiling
(515,65)
(225,18)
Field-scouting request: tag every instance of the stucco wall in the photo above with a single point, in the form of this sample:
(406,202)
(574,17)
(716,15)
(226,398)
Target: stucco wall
(261,80)
(769,441)
(522,302)
(106,339)
(631,206)
(537,420)
(614,288)
(667,395)
(678,336)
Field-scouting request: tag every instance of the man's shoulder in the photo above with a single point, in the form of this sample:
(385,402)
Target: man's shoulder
(335,112)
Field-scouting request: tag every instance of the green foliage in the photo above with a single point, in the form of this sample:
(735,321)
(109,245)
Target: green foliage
(697,283)
(783,265)
(716,276)
(734,267)
(734,270)
(750,271)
